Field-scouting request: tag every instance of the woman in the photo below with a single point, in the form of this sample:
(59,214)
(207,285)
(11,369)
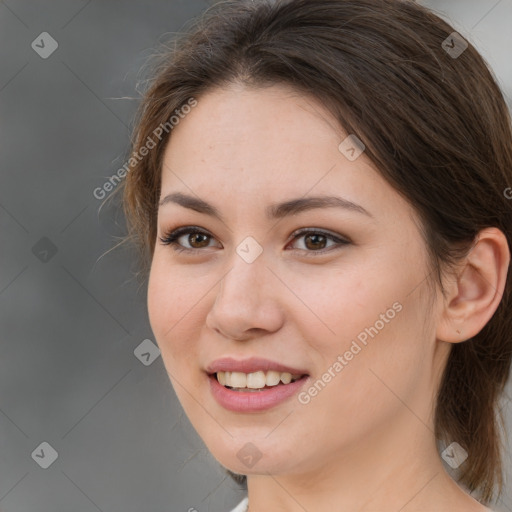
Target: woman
(319,190)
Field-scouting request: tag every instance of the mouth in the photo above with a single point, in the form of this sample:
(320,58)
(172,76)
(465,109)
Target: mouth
(249,393)
(255,382)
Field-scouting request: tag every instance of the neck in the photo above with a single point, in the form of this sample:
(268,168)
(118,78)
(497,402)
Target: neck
(395,469)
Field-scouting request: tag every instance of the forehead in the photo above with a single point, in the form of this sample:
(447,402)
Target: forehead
(234,118)
(268,144)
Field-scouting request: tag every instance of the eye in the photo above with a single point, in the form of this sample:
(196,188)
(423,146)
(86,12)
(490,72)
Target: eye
(199,236)
(314,240)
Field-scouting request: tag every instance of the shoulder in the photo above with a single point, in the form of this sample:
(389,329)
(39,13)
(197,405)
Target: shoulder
(242,506)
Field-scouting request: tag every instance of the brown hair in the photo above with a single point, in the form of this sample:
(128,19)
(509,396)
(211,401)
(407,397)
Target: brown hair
(436,127)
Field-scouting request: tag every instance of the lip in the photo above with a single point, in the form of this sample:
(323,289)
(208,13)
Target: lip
(250,365)
(247,401)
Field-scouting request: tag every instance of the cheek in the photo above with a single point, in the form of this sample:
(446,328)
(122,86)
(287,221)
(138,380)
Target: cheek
(377,360)
(174,307)
(173,302)
(370,314)
(335,305)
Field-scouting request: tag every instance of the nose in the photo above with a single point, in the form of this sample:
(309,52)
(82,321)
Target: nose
(246,303)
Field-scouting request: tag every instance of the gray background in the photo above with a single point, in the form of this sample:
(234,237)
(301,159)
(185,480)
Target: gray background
(72,318)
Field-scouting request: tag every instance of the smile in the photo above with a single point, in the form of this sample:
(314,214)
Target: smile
(256,380)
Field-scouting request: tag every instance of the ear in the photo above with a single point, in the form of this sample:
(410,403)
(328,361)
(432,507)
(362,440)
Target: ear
(474,294)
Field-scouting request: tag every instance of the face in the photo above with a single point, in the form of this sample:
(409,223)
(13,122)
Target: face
(331,292)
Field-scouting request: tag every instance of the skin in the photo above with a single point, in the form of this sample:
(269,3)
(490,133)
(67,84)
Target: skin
(365,442)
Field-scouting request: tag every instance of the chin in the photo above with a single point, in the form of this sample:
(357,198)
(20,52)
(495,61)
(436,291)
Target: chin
(248,456)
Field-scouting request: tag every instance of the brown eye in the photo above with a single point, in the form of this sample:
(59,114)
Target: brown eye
(316,241)
(198,238)
(195,237)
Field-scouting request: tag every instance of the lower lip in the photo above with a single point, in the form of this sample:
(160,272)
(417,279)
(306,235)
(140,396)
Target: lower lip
(247,401)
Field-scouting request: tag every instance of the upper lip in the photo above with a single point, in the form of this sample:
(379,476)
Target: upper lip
(253,364)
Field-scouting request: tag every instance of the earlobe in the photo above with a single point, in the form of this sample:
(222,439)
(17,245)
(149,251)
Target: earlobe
(476,291)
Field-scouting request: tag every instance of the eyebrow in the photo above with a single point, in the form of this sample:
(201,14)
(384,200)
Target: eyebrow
(273,211)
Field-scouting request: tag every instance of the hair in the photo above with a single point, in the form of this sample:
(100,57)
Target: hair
(436,127)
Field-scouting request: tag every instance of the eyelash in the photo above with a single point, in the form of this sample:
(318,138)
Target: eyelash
(170,238)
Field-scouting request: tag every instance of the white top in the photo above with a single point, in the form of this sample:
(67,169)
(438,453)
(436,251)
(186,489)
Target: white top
(242,506)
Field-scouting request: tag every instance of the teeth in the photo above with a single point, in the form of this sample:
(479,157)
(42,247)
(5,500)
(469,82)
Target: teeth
(273,378)
(255,380)
(286,378)
(221,377)
(236,380)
